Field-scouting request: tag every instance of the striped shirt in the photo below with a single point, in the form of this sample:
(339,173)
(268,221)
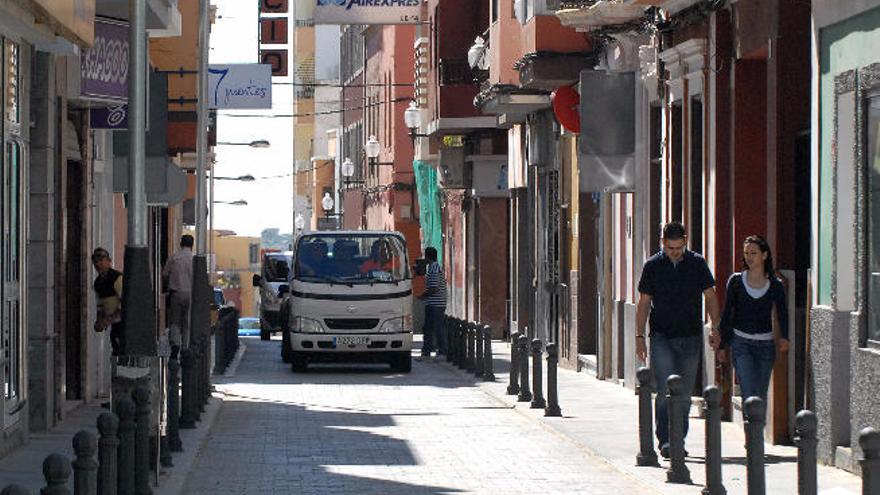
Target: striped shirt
(434,279)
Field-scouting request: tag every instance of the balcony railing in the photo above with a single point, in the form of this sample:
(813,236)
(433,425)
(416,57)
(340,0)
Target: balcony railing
(457,71)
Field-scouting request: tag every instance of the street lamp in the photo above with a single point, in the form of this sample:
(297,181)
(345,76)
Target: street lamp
(299,223)
(237,202)
(372,149)
(242,178)
(477,55)
(327,204)
(347,169)
(412,117)
(259,143)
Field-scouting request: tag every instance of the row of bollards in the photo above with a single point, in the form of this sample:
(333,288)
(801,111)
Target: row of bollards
(754,420)
(226,341)
(470,347)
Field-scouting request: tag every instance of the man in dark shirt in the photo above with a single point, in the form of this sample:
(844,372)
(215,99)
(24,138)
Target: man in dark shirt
(674,281)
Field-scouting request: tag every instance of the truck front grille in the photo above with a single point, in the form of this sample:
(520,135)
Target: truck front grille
(351,323)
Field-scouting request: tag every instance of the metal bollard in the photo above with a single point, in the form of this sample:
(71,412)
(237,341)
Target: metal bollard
(463,342)
(712,408)
(513,381)
(754,410)
(805,428)
(478,350)
(647,455)
(204,357)
(196,398)
(85,467)
(173,427)
(488,365)
(451,343)
(125,460)
(56,471)
(220,356)
(525,394)
(15,490)
(187,360)
(206,384)
(108,426)
(552,408)
(869,441)
(470,361)
(538,401)
(141,396)
(677,400)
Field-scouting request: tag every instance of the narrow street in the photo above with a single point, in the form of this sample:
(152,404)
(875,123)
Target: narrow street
(367,430)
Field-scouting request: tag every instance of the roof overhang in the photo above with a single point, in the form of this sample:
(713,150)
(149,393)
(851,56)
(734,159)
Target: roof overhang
(460,125)
(548,71)
(515,103)
(600,14)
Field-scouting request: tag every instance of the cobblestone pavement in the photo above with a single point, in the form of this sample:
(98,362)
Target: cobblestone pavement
(367,430)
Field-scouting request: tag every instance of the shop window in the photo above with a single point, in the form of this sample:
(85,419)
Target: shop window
(872,156)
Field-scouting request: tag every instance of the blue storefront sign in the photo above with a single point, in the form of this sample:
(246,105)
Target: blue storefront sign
(110,118)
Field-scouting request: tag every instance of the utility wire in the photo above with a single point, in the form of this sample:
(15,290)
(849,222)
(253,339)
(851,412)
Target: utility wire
(312,114)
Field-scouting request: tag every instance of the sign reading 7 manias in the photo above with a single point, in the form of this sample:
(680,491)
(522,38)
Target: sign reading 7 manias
(240,86)
(368,11)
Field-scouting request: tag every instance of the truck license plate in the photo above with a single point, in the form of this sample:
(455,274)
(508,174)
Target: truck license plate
(352,340)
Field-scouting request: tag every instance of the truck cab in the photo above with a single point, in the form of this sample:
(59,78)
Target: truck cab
(272,283)
(349,299)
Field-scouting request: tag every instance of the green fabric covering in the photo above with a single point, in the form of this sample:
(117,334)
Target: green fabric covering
(429,206)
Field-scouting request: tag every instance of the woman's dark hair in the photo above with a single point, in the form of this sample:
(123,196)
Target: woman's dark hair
(765,248)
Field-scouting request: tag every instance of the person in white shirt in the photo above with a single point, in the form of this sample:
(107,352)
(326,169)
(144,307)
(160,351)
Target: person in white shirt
(178,275)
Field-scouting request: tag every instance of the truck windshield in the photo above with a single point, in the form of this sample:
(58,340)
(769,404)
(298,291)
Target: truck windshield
(351,259)
(276,267)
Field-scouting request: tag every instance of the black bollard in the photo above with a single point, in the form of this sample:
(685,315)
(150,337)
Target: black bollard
(754,410)
(712,408)
(125,409)
(196,399)
(470,361)
(552,408)
(805,428)
(15,490)
(525,393)
(56,471)
(187,419)
(206,372)
(479,349)
(220,360)
(85,467)
(677,400)
(538,401)
(463,342)
(513,381)
(141,396)
(173,427)
(204,357)
(869,441)
(451,343)
(488,365)
(647,455)
(108,426)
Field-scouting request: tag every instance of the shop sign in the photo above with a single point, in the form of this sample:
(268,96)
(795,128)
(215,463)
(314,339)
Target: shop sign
(109,118)
(368,11)
(240,86)
(104,66)
(277,60)
(273,6)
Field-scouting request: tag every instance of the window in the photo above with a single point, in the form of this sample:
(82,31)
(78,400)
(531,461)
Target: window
(695,217)
(676,180)
(872,156)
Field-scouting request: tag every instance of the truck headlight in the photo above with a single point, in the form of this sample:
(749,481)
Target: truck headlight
(307,325)
(397,325)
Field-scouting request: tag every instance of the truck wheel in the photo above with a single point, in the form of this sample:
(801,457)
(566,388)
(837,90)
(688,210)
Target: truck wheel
(402,363)
(298,362)
(285,348)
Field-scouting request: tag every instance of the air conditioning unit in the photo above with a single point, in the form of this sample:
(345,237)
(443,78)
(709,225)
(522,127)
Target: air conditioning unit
(454,174)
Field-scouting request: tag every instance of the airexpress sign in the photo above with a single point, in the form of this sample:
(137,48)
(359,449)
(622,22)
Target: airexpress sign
(368,11)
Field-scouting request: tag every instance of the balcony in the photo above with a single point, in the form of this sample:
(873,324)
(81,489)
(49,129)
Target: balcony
(456,71)
(592,14)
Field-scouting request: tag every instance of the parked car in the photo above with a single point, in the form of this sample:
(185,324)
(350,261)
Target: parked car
(248,326)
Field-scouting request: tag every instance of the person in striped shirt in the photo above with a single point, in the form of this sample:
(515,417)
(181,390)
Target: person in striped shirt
(435,306)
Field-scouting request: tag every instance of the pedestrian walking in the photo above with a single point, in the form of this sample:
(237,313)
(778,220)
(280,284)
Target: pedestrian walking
(752,297)
(672,287)
(435,306)
(108,288)
(178,275)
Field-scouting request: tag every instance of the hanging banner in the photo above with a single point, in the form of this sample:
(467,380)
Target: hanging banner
(104,66)
(112,118)
(240,86)
(368,11)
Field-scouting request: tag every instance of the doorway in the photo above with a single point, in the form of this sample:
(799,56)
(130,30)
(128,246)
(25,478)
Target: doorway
(74,282)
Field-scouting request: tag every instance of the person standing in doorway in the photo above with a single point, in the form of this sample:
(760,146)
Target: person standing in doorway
(435,306)
(108,287)
(178,274)
(747,321)
(672,287)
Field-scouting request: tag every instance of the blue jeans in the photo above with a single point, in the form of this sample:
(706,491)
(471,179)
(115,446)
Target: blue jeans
(753,361)
(434,329)
(673,356)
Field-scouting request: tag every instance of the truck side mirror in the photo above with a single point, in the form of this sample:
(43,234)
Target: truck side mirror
(257,279)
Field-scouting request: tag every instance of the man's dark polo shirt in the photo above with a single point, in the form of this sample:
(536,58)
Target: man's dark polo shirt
(676,292)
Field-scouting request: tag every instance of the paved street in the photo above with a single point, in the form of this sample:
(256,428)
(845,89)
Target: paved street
(367,430)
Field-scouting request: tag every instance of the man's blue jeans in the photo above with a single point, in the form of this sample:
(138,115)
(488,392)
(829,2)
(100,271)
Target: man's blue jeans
(434,330)
(673,356)
(753,361)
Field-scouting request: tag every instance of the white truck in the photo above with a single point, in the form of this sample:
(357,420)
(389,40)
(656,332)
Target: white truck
(349,298)
(272,282)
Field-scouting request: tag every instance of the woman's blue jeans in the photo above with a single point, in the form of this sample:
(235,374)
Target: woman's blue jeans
(673,356)
(753,361)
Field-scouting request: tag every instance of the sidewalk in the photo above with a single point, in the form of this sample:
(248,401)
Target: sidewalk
(602,418)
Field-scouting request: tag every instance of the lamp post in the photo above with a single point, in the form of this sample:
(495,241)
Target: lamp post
(327,204)
(237,202)
(347,169)
(372,149)
(412,117)
(242,178)
(259,143)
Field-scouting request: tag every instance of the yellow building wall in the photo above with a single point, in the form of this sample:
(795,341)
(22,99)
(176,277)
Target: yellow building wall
(177,53)
(232,256)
